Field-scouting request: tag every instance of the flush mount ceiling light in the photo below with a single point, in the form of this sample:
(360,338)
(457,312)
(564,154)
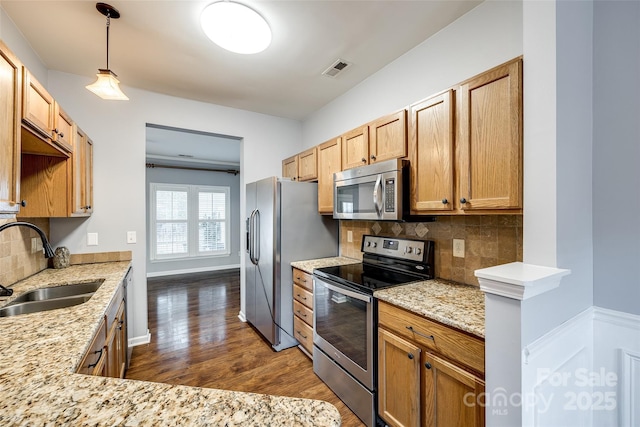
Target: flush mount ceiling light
(107,86)
(235,27)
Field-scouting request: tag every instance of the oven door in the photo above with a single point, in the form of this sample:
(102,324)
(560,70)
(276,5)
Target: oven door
(343,328)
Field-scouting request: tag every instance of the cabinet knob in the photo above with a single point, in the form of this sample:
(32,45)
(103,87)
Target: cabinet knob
(427,365)
(463,200)
(55,130)
(410,356)
(61,135)
(445,201)
(23,203)
(373,157)
(364,160)
(88,207)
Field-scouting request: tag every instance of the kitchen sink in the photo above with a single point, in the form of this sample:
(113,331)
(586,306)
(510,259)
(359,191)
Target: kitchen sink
(15,309)
(63,291)
(52,298)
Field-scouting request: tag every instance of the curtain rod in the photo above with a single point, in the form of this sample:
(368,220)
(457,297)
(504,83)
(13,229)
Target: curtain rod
(153,166)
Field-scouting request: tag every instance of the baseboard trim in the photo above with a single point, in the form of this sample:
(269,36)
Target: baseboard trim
(144,339)
(193,270)
(242,317)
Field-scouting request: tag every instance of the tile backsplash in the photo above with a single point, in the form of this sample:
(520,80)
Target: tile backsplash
(489,240)
(16,259)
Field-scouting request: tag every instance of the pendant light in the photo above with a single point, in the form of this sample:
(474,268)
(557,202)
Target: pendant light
(107,86)
(235,27)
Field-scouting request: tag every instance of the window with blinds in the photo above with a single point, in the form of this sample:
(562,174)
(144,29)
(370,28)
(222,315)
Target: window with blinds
(189,221)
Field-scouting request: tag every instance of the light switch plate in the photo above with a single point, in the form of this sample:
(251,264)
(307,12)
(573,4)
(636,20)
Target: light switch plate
(349,236)
(458,248)
(92,239)
(131,236)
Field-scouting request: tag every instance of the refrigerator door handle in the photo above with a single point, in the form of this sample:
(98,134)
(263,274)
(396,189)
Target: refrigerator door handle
(256,237)
(251,237)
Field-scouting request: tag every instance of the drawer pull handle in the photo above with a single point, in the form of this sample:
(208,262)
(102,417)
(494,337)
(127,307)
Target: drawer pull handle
(301,313)
(300,296)
(93,365)
(303,336)
(301,279)
(429,337)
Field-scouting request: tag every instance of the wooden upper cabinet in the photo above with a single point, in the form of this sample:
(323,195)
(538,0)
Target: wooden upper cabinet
(290,168)
(82,175)
(308,165)
(489,144)
(382,139)
(10,107)
(47,129)
(388,137)
(329,162)
(38,106)
(431,154)
(63,132)
(355,148)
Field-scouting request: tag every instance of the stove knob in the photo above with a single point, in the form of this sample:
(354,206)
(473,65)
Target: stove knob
(375,245)
(408,249)
(368,244)
(418,251)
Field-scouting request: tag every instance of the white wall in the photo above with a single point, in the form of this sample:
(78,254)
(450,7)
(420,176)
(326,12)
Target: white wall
(118,133)
(616,151)
(485,37)
(192,177)
(13,38)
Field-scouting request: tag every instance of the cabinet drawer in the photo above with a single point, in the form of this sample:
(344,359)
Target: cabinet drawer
(303,333)
(454,345)
(94,356)
(302,295)
(303,279)
(303,312)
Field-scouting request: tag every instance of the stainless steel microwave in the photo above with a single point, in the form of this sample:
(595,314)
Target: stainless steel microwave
(372,192)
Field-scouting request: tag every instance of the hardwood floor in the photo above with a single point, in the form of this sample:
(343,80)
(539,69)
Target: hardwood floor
(198,340)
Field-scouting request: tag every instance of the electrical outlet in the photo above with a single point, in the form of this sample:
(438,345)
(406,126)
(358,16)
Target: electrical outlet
(349,236)
(458,248)
(131,236)
(92,239)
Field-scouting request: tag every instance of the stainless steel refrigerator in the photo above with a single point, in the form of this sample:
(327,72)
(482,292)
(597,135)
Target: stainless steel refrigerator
(283,225)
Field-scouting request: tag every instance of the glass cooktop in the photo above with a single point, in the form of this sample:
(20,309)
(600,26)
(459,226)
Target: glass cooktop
(365,277)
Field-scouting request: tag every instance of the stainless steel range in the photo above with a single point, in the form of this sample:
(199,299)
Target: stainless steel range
(345,316)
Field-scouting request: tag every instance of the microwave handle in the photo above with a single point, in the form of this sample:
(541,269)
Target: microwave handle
(377,195)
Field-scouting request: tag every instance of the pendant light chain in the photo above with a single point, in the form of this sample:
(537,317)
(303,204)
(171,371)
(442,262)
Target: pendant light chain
(108,25)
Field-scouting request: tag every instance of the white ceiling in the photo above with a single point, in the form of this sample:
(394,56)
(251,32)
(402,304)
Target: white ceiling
(159,46)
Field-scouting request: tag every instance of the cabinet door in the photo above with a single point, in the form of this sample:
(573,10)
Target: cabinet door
(388,137)
(431,153)
(398,380)
(450,394)
(290,168)
(355,148)
(38,107)
(329,162)
(45,185)
(82,174)
(10,102)
(490,139)
(63,129)
(308,165)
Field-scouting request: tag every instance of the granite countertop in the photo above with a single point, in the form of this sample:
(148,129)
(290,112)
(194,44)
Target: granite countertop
(41,351)
(453,304)
(308,265)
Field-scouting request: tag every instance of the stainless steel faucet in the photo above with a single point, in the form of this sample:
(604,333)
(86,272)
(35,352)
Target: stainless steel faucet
(48,251)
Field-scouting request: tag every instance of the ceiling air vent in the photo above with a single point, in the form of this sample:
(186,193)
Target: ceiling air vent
(336,68)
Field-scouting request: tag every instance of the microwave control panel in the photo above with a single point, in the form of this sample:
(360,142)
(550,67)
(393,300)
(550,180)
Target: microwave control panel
(390,195)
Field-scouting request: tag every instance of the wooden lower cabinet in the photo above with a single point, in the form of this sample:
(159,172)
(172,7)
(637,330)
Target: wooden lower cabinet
(303,310)
(107,354)
(418,387)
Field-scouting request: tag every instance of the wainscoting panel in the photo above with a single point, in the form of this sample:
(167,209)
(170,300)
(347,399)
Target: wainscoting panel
(555,375)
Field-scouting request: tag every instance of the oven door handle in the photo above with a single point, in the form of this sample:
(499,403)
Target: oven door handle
(352,294)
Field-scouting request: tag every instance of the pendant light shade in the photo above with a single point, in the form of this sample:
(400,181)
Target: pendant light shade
(235,27)
(107,85)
